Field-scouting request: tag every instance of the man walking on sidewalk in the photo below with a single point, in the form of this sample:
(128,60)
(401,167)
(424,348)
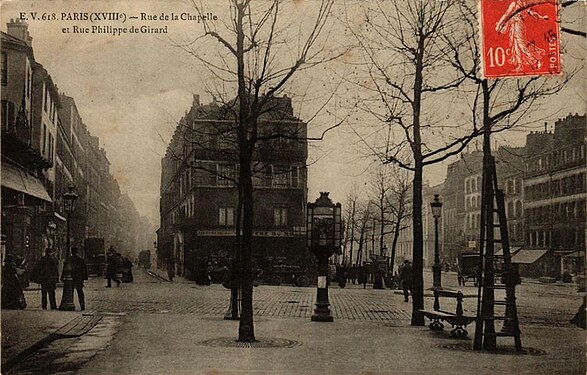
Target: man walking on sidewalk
(405,276)
(79,273)
(46,273)
(111,267)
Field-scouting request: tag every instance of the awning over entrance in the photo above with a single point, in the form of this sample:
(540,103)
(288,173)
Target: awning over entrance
(526,256)
(513,250)
(575,254)
(19,180)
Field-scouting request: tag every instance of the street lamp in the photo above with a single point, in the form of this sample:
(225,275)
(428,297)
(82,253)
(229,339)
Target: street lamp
(436,205)
(69,199)
(324,236)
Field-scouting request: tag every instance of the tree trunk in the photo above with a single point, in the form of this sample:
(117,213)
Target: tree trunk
(418,250)
(246,330)
(394,243)
(418,233)
(352,233)
(382,229)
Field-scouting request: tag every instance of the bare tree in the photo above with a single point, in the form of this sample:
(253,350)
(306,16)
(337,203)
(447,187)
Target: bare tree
(399,205)
(403,45)
(380,189)
(350,219)
(364,219)
(256,59)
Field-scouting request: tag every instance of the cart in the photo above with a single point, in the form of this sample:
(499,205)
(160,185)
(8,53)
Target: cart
(468,269)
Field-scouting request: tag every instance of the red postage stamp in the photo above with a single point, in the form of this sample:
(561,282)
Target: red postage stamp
(520,38)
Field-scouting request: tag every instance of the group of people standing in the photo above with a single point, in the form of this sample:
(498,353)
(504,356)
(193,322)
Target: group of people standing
(117,264)
(46,273)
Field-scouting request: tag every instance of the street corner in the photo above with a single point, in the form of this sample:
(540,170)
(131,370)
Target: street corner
(24,331)
(72,346)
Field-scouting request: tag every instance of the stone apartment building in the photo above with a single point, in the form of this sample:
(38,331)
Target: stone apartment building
(46,147)
(555,198)
(462,200)
(199,197)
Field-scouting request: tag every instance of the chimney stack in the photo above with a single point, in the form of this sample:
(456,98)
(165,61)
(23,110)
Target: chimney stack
(20,29)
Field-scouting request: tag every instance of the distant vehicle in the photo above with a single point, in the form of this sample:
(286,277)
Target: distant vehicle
(145,259)
(469,266)
(95,255)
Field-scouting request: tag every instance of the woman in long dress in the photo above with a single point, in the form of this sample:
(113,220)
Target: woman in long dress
(12,295)
(513,21)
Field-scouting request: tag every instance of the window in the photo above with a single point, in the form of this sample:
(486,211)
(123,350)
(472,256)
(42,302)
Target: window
(4,68)
(280,175)
(226,216)
(280,216)
(44,140)
(7,115)
(226,174)
(295,176)
(226,140)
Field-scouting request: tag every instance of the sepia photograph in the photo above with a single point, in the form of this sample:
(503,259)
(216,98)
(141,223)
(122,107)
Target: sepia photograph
(293,187)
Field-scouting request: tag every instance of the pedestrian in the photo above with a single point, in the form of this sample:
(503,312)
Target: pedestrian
(79,273)
(171,270)
(342,276)
(46,273)
(363,276)
(405,276)
(127,270)
(579,318)
(22,271)
(460,277)
(12,295)
(111,267)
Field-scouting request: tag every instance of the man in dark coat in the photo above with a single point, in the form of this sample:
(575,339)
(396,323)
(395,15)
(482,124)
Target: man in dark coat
(46,273)
(405,276)
(79,273)
(111,267)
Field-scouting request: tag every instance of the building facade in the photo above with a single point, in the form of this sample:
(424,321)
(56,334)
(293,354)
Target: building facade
(25,198)
(199,197)
(462,200)
(555,196)
(46,148)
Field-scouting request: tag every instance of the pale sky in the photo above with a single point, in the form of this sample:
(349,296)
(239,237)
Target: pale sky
(131,90)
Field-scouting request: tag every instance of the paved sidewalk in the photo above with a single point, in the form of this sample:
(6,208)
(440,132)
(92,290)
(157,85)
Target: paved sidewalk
(24,331)
(183,344)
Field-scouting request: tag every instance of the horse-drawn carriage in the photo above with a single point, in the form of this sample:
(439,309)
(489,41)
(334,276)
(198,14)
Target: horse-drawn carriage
(468,268)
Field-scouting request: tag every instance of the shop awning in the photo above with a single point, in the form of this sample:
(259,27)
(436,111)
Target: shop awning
(575,254)
(513,250)
(527,256)
(16,179)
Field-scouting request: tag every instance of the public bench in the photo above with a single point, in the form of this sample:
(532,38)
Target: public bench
(457,320)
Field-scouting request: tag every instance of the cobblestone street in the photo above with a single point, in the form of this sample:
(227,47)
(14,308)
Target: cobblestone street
(144,324)
(555,306)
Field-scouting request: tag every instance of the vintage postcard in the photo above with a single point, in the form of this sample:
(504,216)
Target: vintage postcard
(293,186)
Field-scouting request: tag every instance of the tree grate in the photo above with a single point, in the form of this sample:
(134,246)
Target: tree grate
(507,350)
(262,342)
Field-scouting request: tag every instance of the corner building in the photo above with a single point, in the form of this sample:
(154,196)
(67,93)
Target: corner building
(199,197)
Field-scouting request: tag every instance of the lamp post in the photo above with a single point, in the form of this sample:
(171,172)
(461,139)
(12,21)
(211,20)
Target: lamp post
(69,199)
(324,236)
(436,205)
